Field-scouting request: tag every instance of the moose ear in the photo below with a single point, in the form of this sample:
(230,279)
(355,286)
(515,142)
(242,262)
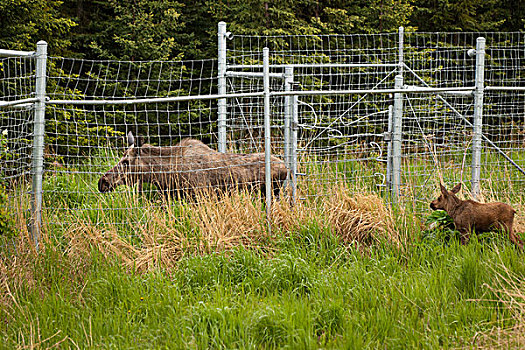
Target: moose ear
(131,139)
(456,188)
(443,189)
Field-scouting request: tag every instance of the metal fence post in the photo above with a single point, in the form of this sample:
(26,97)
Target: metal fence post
(388,138)
(267,134)
(478,116)
(401,55)
(397,126)
(294,127)
(37,166)
(221,82)
(288,117)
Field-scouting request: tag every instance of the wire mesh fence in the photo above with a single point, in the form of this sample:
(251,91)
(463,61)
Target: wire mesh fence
(91,116)
(17,84)
(342,136)
(338,136)
(332,113)
(441,124)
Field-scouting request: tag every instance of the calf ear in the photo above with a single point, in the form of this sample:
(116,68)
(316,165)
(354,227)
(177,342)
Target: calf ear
(443,190)
(131,139)
(456,188)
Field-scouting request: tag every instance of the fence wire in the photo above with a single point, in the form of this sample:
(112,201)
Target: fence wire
(334,137)
(342,136)
(17,82)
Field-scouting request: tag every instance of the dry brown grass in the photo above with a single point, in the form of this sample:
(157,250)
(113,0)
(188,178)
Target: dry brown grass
(162,242)
(17,258)
(360,217)
(226,221)
(222,222)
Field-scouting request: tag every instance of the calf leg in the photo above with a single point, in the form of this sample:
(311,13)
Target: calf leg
(464,235)
(514,238)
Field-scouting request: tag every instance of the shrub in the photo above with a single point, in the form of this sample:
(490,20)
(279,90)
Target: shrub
(6,221)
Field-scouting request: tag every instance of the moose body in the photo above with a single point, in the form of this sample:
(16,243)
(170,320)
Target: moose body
(188,167)
(469,215)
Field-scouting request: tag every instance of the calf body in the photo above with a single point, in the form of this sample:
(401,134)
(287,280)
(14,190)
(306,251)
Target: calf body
(481,217)
(190,166)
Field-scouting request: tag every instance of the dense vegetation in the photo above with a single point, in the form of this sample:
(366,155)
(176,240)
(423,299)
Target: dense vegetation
(155,29)
(341,271)
(211,276)
(338,271)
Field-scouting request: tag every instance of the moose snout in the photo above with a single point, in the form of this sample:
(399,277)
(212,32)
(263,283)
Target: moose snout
(104,185)
(433,206)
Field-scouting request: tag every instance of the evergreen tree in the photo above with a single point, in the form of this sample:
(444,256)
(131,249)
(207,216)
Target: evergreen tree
(459,15)
(129,29)
(25,22)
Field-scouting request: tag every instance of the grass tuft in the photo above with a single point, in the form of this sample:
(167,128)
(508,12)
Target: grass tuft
(509,289)
(361,217)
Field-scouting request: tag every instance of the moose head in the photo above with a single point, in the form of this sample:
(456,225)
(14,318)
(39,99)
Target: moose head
(446,198)
(127,170)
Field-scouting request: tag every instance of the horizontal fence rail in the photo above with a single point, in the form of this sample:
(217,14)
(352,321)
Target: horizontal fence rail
(407,90)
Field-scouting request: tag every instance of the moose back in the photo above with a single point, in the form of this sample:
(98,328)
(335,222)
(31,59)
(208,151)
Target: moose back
(188,167)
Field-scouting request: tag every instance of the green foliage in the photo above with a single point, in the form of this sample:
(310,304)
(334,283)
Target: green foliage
(154,29)
(5,152)
(25,22)
(440,227)
(6,220)
(463,15)
(140,30)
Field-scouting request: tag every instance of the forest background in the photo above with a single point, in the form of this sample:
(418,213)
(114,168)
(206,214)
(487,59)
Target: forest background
(172,30)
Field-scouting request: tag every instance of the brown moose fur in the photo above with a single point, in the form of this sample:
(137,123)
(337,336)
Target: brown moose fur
(190,166)
(481,217)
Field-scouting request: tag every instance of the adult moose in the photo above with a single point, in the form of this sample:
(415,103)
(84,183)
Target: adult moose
(188,167)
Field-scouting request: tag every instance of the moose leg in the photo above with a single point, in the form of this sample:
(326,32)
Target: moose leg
(276,188)
(464,235)
(514,238)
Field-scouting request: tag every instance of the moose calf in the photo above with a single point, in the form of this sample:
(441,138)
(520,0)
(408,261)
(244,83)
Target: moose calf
(470,215)
(190,166)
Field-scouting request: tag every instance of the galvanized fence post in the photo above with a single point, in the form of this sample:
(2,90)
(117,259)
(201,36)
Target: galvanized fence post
(388,139)
(267,134)
(288,117)
(293,160)
(37,166)
(397,126)
(221,82)
(401,54)
(478,117)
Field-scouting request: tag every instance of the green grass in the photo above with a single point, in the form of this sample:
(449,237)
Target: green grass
(300,289)
(311,292)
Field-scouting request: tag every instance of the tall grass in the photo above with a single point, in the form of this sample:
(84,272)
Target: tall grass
(341,269)
(308,291)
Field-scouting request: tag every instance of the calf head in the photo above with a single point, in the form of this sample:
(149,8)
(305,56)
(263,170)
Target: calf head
(126,171)
(447,199)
